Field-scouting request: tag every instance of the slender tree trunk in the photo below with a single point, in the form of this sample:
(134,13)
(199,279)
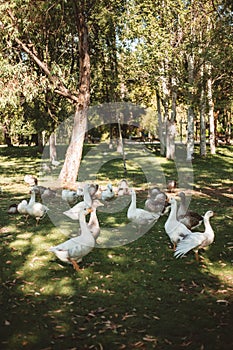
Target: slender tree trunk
(174,98)
(211,109)
(171,125)
(190,134)
(165,101)
(202,117)
(171,133)
(160,124)
(190,125)
(52,146)
(7,136)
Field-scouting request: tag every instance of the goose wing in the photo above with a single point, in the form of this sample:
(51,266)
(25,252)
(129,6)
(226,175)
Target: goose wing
(189,242)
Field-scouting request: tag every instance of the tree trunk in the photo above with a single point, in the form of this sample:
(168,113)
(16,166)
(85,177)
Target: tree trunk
(69,171)
(160,124)
(7,137)
(171,125)
(190,126)
(202,118)
(171,133)
(211,110)
(165,102)
(190,134)
(52,146)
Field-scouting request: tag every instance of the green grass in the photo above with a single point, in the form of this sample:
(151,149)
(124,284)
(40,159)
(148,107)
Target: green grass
(135,296)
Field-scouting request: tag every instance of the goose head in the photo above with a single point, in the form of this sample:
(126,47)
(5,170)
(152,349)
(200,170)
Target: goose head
(181,195)
(109,186)
(172,201)
(96,203)
(209,214)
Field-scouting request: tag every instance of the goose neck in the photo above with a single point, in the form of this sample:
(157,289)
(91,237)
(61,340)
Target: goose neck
(133,200)
(207,223)
(173,211)
(33,198)
(86,196)
(93,219)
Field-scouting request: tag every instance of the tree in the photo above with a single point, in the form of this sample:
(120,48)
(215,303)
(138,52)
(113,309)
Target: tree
(79,98)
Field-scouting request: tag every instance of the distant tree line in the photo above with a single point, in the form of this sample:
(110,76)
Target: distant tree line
(173,57)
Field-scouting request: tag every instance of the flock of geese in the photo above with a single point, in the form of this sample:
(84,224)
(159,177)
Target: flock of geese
(180,225)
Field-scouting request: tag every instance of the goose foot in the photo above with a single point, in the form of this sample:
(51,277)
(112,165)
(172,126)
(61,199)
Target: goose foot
(197,256)
(75,264)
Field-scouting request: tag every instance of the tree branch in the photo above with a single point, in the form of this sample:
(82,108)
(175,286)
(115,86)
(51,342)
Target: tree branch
(59,87)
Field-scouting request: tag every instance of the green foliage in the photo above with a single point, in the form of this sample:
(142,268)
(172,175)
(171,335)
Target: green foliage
(135,47)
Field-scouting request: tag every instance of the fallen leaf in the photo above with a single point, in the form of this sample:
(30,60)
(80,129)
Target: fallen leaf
(150,339)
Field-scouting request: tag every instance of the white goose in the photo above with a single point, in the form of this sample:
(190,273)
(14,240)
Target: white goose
(175,229)
(93,223)
(55,162)
(108,193)
(36,209)
(73,213)
(22,207)
(139,216)
(196,240)
(73,250)
(69,196)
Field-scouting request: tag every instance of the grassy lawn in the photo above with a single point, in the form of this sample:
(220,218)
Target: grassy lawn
(135,296)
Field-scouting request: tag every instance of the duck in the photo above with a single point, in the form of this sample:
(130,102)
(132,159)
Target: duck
(73,213)
(138,216)
(107,194)
(36,209)
(175,230)
(93,223)
(74,249)
(157,202)
(197,240)
(123,188)
(189,218)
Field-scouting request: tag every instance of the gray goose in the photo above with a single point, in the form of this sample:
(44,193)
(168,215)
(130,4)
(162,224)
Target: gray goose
(157,202)
(189,218)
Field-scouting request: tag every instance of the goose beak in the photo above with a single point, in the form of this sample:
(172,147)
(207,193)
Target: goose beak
(89,210)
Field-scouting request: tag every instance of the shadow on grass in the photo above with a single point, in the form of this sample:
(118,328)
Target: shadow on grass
(134,296)
(136,293)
